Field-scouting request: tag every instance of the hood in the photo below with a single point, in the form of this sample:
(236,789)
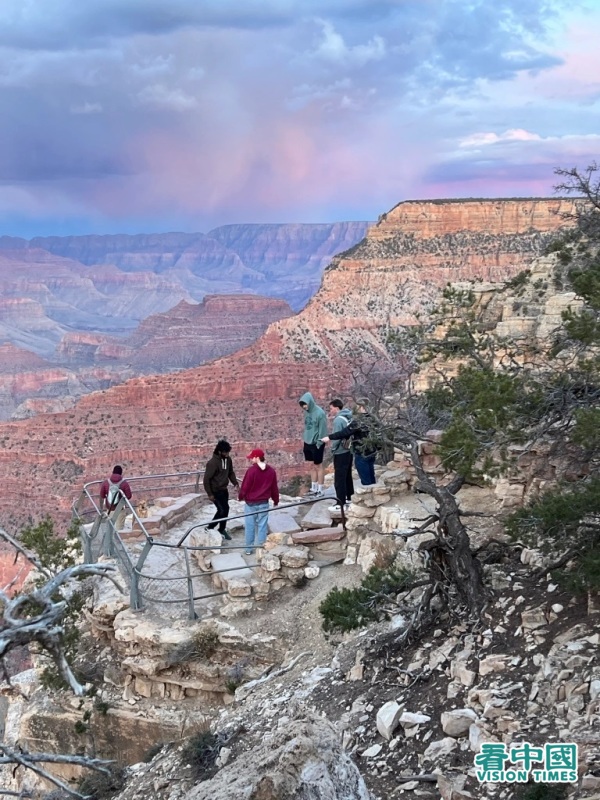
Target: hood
(345,412)
(115,477)
(309,400)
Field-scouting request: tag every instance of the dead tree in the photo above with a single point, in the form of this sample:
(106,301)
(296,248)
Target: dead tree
(37,616)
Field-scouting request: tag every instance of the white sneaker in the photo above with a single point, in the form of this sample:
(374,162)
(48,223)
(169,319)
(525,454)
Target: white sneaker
(336,509)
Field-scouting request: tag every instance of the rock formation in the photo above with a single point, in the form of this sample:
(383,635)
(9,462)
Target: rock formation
(73,300)
(185,336)
(161,423)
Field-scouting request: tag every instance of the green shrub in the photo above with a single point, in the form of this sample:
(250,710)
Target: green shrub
(541,791)
(101,786)
(201,752)
(565,520)
(152,752)
(201,646)
(348,609)
(235,676)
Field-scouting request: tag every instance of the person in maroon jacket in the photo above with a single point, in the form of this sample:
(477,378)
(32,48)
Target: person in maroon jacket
(258,487)
(111,492)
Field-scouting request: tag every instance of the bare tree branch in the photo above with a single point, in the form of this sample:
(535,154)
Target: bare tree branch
(37,617)
(32,761)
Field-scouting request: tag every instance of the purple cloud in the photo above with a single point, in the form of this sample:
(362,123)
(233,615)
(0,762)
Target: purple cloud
(147,114)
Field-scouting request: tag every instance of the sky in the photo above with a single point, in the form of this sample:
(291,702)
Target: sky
(155,115)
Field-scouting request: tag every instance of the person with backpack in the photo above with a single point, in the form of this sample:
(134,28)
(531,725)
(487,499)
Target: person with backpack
(113,489)
(342,455)
(315,428)
(362,433)
(218,474)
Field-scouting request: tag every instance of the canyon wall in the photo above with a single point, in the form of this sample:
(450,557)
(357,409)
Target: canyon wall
(170,422)
(76,301)
(188,335)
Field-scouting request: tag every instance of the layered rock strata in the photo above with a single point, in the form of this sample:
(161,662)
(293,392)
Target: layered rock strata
(156,424)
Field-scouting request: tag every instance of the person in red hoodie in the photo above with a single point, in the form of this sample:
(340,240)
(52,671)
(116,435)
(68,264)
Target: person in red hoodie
(258,487)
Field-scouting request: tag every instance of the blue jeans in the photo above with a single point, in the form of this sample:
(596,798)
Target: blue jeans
(256,521)
(365,466)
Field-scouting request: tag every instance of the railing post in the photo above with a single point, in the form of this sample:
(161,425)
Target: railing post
(190,586)
(88,538)
(108,548)
(136,600)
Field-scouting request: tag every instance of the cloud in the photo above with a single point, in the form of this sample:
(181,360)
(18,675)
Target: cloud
(512,135)
(515,162)
(192,113)
(332,47)
(86,108)
(162,97)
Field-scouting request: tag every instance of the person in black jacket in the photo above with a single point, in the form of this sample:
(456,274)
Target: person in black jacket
(362,431)
(218,473)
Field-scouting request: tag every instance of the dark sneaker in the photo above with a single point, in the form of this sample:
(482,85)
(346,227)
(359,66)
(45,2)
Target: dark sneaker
(226,535)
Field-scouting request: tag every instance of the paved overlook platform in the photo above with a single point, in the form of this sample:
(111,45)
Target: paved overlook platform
(225,567)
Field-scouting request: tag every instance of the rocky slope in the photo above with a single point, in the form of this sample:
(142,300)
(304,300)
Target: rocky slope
(153,424)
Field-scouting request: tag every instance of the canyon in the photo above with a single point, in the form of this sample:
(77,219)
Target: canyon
(98,310)
(187,335)
(169,422)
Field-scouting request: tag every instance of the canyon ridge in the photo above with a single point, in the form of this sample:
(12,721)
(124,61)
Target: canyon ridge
(170,422)
(87,305)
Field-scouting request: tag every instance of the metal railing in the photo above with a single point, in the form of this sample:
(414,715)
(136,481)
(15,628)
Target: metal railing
(100,537)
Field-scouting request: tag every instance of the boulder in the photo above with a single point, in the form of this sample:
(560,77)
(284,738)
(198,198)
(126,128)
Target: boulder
(388,718)
(408,719)
(282,522)
(270,563)
(224,562)
(457,723)
(294,557)
(318,516)
(440,748)
(305,760)
(312,571)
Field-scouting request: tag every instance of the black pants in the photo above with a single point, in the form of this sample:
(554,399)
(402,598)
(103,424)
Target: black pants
(222,503)
(342,477)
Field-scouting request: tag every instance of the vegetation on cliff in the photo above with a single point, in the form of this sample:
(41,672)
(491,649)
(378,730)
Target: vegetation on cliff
(493,397)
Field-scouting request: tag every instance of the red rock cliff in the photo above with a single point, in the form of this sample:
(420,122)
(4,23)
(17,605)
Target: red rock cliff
(171,422)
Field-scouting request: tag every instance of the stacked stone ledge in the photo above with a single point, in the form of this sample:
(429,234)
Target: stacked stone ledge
(166,513)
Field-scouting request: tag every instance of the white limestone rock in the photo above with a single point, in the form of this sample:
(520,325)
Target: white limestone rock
(440,748)
(388,718)
(457,722)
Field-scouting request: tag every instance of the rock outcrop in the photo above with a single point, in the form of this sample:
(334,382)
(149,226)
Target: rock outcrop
(185,336)
(154,424)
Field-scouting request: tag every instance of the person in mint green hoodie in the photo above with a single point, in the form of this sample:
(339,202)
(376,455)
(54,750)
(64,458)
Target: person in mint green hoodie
(315,428)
